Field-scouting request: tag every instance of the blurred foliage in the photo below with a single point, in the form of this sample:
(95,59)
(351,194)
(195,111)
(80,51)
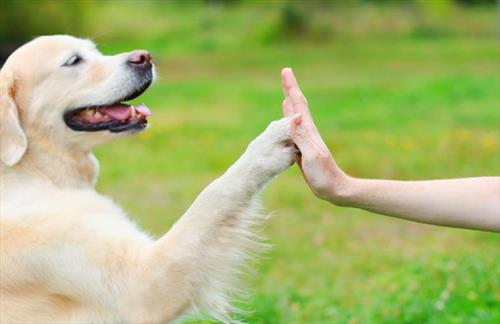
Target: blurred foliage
(22,19)
(293,21)
(312,20)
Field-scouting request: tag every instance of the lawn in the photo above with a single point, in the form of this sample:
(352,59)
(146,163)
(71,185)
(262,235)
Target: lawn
(407,106)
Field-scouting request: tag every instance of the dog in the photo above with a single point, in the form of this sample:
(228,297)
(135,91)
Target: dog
(69,254)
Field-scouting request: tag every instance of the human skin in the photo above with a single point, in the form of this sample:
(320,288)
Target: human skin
(472,203)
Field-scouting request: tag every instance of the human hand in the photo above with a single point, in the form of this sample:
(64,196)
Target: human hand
(471,203)
(318,167)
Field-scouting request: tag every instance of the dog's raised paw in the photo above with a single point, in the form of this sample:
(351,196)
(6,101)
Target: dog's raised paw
(274,149)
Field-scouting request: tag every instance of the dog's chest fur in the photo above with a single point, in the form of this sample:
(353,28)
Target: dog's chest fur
(69,240)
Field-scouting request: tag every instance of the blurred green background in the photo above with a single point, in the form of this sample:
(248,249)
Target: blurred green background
(399,89)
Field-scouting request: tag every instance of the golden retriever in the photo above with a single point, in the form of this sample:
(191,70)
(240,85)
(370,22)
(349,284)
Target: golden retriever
(69,254)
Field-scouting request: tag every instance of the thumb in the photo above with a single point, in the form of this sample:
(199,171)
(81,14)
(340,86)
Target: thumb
(299,135)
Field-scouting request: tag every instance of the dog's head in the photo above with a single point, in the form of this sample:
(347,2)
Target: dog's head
(62,90)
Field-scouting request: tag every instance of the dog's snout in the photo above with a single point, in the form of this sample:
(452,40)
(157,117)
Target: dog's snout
(139,59)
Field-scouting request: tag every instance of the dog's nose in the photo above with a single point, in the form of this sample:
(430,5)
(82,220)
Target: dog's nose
(140,59)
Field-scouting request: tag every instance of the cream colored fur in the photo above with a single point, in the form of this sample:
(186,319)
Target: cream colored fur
(69,254)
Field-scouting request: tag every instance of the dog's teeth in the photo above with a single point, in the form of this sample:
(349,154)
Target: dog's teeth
(88,112)
(97,114)
(133,112)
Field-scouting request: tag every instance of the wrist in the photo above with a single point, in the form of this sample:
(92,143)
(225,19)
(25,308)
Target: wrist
(341,191)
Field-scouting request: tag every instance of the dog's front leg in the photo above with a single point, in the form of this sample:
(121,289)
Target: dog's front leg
(196,263)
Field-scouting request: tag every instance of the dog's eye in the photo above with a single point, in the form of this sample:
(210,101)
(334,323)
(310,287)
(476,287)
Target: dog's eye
(74,60)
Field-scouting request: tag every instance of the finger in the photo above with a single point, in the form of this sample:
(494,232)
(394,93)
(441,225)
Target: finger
(292,90)
(287,108)
(299,103)
(307,139)
(300,136)
(284,73)
(288,79)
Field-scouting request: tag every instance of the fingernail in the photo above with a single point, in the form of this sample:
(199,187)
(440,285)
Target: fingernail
(297,119)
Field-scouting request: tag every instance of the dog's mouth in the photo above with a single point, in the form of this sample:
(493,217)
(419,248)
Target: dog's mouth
(115,118)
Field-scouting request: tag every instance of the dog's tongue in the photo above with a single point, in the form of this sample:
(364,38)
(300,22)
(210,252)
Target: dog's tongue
(123,112)
(118,112)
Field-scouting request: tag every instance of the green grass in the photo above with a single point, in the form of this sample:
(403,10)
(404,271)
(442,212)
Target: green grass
(399,107)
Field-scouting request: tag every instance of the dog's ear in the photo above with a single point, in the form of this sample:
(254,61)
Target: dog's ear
(13,142)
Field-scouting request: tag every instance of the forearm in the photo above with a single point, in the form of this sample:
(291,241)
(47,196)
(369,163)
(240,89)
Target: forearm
(229,201)
(472,203)
(202,253)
